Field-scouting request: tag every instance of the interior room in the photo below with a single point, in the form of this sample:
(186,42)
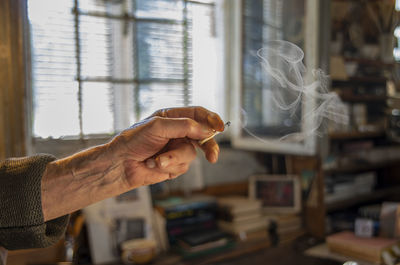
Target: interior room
(199,132)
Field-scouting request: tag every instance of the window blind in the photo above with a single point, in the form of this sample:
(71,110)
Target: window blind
(98,65)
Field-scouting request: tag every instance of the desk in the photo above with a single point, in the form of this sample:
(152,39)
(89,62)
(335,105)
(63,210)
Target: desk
(322,251)
(251,254)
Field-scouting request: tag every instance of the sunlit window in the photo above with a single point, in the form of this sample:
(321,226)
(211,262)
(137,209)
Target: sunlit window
(98,66)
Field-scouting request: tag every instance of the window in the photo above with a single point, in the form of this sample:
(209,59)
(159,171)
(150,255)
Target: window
(100,65)
(263,21)
(264,125)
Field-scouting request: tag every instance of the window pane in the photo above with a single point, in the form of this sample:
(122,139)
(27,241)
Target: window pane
(55,106)
(93,6)
(205,58)
(166,9)
(123,105)
(97,112)
(266,20)
(95,36)
(159,95)
(160,50)
(56,110)
(110,7)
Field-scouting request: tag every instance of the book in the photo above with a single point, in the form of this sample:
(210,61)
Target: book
(185,229)
(253,235)
(225,215)
(285,228)
(210,251)
(177,207)
(203,240)
(204,236)
(242,227)
(284,224)
(206,246)
(238,205)
(201,217)
(368,249)
(187,215)
(284,220)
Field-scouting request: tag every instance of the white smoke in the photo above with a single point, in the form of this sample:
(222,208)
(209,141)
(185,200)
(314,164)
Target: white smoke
(286,73)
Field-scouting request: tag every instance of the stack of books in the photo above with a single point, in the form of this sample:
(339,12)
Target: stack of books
(242,217)
(203,242)
(376,250)
(285,227)
(191,225)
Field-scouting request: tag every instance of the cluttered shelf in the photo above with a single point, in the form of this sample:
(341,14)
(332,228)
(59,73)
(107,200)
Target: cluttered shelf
(359,79)
(360,167)
(356,135)
(363,98)
(361,198)
(366,61)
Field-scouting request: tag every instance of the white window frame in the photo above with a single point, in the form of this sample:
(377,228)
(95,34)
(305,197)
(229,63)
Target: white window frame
(308,146)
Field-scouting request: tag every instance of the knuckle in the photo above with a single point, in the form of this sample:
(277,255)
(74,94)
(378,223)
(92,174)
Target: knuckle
(188,123)
(156,122)
(199,108)
(160,113)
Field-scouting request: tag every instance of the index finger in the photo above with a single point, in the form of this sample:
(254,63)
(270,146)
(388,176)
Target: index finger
(199,114)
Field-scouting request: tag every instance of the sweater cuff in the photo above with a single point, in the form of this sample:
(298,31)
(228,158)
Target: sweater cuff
(21,220)
(39,236)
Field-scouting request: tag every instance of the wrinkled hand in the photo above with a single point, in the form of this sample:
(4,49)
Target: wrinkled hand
(162,146)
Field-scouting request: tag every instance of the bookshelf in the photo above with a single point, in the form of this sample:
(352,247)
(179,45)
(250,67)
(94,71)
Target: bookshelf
(356,135)
(359,80)
(354,200)
(356,151)
(362,167)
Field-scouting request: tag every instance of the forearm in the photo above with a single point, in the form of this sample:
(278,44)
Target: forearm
(77,181)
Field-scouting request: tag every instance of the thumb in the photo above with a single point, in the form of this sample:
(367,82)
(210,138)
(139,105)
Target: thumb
(173,128)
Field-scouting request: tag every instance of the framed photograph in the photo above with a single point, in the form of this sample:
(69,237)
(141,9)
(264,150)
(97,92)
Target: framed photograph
(116,220)
(278,193)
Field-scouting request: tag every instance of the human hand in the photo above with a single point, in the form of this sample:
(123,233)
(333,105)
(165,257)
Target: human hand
(163,145)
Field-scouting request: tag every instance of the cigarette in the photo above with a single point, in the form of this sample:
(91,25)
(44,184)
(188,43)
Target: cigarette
(201,142)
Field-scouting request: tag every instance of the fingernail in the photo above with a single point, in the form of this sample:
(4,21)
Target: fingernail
(214,156)
(150,163)
(164,161)
(215,122)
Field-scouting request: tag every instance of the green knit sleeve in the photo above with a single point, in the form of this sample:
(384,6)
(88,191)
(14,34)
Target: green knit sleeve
(21,218)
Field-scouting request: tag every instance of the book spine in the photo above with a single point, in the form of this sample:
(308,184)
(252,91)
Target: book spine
(191,220)
(189,212)
(178,231)
(190,206)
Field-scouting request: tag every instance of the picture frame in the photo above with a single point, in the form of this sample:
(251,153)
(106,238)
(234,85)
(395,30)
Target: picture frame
(118,219)
(277,193)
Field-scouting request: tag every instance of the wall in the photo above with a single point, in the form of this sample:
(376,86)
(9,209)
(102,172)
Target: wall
(12,78)
(232,166)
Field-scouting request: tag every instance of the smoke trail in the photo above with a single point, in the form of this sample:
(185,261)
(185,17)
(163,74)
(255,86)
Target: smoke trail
(282,62)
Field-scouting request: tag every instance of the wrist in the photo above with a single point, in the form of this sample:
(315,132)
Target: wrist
(79,180)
